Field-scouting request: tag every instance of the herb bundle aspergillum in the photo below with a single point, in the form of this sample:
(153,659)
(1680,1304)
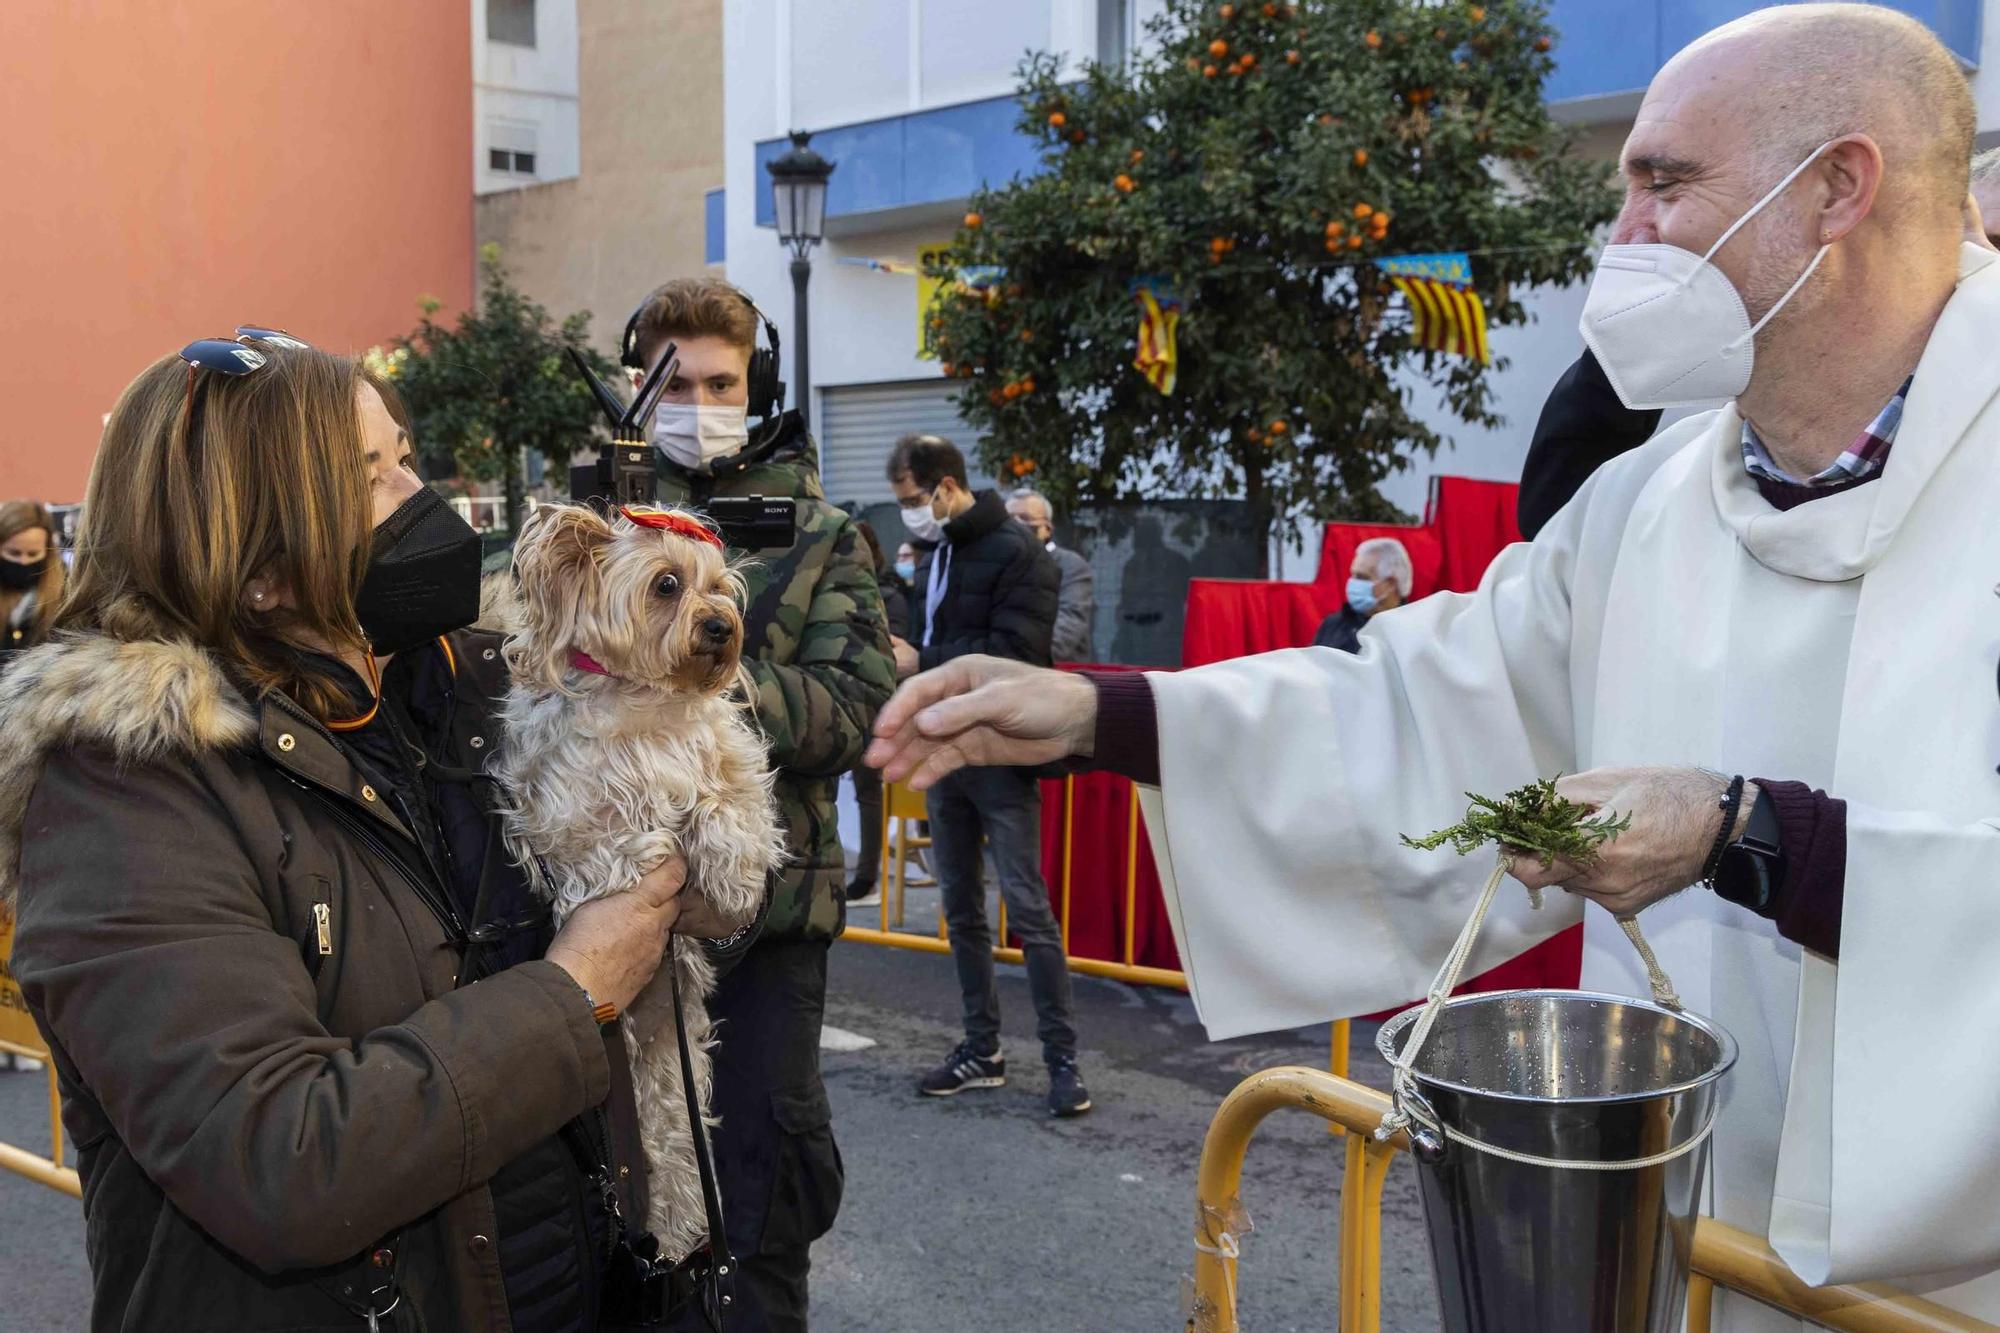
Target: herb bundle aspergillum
(1529,819)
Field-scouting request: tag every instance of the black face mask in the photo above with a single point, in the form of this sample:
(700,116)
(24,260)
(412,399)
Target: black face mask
(424,578)
(17,577)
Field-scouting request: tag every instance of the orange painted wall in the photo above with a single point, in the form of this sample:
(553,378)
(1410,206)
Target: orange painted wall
(177,167)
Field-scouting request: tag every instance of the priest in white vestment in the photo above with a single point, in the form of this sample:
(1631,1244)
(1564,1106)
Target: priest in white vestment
(1797,589)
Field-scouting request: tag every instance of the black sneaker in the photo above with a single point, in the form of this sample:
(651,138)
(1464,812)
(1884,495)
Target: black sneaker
(965,1068)
(1067,1095)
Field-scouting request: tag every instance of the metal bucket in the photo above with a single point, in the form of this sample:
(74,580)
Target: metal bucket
(1577,1078)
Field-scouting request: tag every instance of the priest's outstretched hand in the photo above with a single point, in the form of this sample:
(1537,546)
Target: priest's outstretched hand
(1676,813)
(975,711)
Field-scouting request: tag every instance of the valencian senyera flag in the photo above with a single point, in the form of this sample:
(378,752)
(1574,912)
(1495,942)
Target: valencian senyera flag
(1448,315)
(1159,323)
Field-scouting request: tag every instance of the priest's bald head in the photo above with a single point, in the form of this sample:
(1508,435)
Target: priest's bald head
(1881,112)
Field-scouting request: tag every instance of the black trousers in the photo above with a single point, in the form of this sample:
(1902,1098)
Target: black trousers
(775,1157)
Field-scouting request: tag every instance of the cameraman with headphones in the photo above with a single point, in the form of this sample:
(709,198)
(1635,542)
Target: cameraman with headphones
(817,646)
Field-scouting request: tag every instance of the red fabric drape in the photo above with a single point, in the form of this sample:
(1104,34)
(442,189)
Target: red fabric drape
(1232,618)
(1474,521)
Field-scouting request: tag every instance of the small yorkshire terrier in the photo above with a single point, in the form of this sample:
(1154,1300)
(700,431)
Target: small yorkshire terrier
(625,747)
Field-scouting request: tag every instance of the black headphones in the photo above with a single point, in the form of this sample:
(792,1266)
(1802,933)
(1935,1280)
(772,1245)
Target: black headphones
(767,391)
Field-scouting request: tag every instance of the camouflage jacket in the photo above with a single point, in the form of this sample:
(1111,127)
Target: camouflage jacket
(817,646)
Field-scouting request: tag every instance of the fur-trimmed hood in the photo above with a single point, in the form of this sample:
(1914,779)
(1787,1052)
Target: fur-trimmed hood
(145,700)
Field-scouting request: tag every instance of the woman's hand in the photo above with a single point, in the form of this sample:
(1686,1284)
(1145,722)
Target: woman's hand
(612,946)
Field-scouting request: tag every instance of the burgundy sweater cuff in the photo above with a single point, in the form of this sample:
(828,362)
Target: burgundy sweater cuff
(1812,830)
(1128,731)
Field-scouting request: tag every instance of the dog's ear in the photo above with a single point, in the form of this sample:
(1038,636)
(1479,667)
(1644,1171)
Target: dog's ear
(556,561)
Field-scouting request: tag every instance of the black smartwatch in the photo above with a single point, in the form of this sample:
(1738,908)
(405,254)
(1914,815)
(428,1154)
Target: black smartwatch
(1753,866)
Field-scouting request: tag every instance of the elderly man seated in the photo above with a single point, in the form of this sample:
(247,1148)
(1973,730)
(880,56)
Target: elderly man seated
(1768,636)
(1379,580)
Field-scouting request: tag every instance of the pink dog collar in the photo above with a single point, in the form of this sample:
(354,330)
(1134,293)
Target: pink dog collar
(583,661)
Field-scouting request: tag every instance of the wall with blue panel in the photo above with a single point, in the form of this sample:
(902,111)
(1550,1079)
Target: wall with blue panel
(1616,46)
(1603,48)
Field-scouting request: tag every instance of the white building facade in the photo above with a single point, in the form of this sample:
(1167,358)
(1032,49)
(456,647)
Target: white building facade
(912,100)
(524,93)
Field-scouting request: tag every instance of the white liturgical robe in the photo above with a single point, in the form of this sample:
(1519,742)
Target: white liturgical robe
(1669,615)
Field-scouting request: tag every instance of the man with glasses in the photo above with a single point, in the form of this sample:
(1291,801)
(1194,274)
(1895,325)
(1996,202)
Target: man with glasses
(987,587)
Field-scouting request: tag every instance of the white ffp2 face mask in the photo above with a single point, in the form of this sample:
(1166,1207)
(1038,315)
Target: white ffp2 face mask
(695,436)
(924,525)
(1669,329)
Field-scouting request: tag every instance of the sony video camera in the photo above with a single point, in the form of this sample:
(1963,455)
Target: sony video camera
(626,469)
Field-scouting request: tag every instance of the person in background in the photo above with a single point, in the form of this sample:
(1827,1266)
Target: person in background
(31,576)
(817,652)
(864,885)
(988,588)
(1076,604)
(906,566)
(1379,580)
(1986,194)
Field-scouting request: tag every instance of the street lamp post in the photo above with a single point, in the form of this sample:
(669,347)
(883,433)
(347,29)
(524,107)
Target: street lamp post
(798,189)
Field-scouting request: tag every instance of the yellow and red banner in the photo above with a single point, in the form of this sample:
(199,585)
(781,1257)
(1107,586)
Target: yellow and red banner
(1447,314)
(1158,357)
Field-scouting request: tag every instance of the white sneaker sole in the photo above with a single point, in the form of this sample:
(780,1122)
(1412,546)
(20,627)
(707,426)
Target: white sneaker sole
(999,1082)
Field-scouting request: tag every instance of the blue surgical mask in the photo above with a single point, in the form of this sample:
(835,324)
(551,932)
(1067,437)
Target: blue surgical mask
(906,570)
(1361,595)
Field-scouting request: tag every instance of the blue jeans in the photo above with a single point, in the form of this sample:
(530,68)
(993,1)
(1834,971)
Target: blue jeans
(1004,804)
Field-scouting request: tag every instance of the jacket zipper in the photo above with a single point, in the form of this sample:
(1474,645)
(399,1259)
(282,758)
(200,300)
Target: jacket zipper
(439,903)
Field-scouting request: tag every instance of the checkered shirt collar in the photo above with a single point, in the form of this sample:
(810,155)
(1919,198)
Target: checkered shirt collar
(1863,458)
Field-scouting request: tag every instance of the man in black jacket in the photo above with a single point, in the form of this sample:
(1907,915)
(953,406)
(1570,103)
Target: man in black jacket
(987,587)
(1582,426)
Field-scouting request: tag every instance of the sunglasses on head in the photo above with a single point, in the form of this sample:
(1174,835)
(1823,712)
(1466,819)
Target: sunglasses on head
(232,356)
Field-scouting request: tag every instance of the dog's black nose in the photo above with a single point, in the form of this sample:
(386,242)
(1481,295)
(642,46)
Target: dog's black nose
(715,629)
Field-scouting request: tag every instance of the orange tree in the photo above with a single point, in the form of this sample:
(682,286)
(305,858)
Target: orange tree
(1255,161)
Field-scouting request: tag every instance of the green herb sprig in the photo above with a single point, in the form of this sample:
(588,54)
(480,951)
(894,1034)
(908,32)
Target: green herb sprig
(1530,819)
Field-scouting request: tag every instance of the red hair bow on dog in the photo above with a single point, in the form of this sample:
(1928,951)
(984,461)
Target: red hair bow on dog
(681,525)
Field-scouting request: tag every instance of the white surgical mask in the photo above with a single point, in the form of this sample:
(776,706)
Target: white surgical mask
(1669,329)
(906,570)
(922,523)
(1361,595)
(695,436)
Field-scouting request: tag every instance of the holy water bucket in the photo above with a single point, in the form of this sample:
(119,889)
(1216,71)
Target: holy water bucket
(1574,1078)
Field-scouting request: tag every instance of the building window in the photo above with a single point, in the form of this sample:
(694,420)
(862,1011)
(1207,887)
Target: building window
(511,161)
(1114,31)
(511,21)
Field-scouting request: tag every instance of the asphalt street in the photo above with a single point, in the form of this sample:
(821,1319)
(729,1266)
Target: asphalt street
(980,1212)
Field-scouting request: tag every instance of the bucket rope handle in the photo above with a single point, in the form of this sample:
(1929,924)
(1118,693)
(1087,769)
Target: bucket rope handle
(1408,1106)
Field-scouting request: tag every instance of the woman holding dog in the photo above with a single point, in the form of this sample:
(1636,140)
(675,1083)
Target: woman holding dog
(321,1061)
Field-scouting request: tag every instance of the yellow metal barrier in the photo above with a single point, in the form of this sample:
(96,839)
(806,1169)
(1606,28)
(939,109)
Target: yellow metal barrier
(19,1036)
(1723,1256)
(901,806)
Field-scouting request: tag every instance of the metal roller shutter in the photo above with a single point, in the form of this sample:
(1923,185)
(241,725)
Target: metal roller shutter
(859,422)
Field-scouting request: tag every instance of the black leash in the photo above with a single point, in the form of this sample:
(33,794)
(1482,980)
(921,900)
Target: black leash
(722,1283)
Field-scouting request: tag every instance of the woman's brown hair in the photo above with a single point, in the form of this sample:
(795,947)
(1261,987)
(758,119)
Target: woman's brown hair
(17,517)
(193,494)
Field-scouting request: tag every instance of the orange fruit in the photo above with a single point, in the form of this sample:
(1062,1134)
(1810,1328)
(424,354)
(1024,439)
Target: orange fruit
(1217,245)
(1138,156)
(1326,118)
(1373,40)
(1058,119)
(1208,71)
(1291,57)
(950,371)
(1476,14)
(1332,244)
(995,397)
(1279,428)
(1270,11)
(1542,43)
(1027,335)
(1227,11)
(1246,60)
(1253,435)
(1124,183)
(1361,157)
(1336,228)
(1028,386)
(1354,242)
(1362,210)
(973,219)
(1218,48)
